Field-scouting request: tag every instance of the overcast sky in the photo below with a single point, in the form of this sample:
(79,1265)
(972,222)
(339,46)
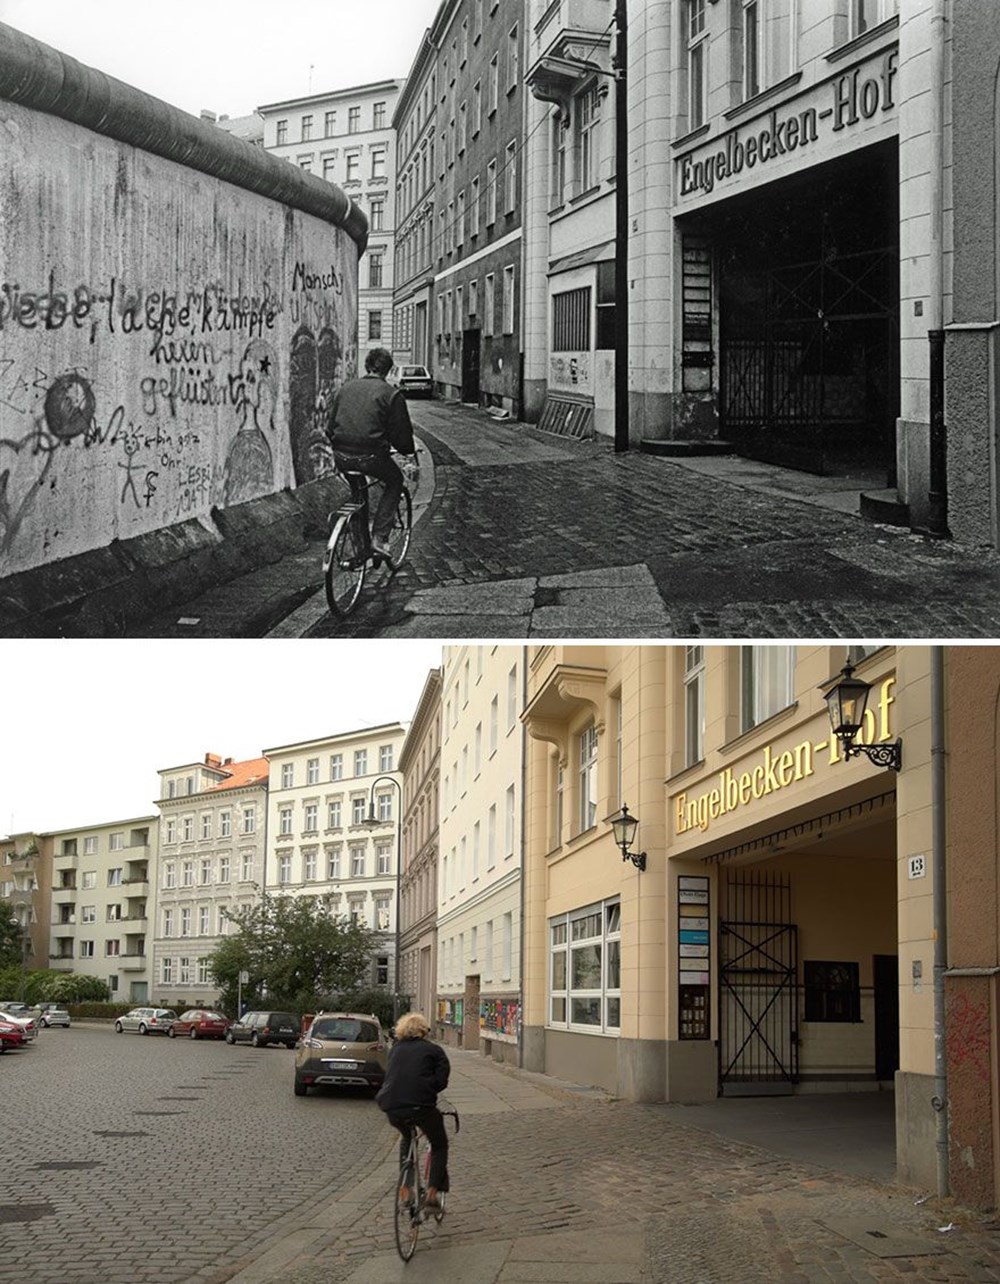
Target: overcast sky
(87,724)
(231,56)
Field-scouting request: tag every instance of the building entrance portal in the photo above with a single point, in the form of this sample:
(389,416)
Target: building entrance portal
(808,278)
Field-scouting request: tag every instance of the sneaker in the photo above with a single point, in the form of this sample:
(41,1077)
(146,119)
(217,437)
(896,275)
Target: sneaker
(433,1199)
(381,547)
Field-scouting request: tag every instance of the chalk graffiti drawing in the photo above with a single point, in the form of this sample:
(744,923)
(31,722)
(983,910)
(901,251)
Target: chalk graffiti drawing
(249,468)
(316,370)
(968,1036)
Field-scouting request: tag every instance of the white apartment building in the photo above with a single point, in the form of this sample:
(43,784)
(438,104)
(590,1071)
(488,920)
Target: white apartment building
(479,878)
(100,905)
(25,884)
(211,826)
(346,137)
(319,842)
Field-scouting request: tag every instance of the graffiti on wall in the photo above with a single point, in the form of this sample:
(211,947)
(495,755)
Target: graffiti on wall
(500,1017)
(968,1036)
(126,407)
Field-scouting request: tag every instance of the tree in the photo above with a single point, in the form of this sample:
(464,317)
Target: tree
(294,948)
(11,937)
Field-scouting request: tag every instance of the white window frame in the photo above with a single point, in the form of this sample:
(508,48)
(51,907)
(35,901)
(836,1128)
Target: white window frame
(587,746)
(568,934)
(767,682)
(696,32)
(694,704)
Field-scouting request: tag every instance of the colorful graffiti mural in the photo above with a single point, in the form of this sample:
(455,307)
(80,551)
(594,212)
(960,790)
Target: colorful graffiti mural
(500,1017)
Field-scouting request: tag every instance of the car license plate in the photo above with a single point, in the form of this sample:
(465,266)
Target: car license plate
(342,1065)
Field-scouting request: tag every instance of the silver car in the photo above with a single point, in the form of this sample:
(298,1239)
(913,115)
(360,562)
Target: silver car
(146,1021)
(54,1014)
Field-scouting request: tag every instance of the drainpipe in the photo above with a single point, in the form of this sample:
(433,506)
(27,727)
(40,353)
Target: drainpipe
(939,893)
(621,228)
(524,848)
(937,517)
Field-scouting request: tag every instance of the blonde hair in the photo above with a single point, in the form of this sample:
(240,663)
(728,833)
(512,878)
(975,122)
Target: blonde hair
(413,1025)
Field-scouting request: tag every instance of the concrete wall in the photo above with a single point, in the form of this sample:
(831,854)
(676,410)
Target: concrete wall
(175,306)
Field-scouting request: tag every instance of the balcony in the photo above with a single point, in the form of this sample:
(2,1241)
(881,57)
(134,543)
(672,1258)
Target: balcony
(134,918)
(64,895)
(136,886)
(65,860)
(130,962)
(61,960)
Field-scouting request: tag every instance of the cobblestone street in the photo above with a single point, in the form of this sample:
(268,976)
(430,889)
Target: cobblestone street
(524,534)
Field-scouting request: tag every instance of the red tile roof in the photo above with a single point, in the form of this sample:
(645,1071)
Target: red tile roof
(251,772)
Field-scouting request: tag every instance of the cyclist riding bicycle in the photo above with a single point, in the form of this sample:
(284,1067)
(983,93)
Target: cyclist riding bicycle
(367,417)
(418,1070)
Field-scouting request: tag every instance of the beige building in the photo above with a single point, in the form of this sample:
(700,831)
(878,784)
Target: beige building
(101,903)
(26,885)
(318,839)
(479,880)
(779,938)
(211,831)
(420,766)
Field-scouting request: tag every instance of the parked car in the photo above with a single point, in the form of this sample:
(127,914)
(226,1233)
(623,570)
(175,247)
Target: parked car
(200,1023)
(413,381)
(11,1036)
(54,1014)
(25,1023)
(22,1009)
(146,1021)
(341,1048)
(262,1028)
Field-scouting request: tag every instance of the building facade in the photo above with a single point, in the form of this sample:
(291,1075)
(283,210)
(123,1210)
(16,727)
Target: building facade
(319,842)
(346,137)
(26,885)
(415,125)
(780,937)
(211,861)
(479,883)
(420,766)
(101,903)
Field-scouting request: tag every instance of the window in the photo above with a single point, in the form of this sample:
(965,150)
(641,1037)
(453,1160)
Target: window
(287,775)
(491,193)
(359,811)
(383,857)
(225,824)
(312,771)
(90,846)
(491,837)
(88,879)
(336,766)
(307,128)
(557,177)
(508,826)
(167,971)
(168,922)
(284,820)
(557,819)
(588,778)
(86,949)
(494,723)
(353,119)
(697,52)
(616,715)
(284,869)
(767,682)
(203,916)
(385,807)
(489,303)
(185,971)
(281,137)
(333,815)
(477,107)
(224,869)
(585,968)
(115,876)
(309,865)
(385,758)
(361,762)
(246,866)
(333,863)
(507,946)
(353,174)
(508,299)
(249,820)
(186,921)
(512,58)
(329,124)
(866,14)
(832,991)
(477,759)
(473,228)
(357,862)
(187,829)
(205,876)
(571,320)
(376,207)
(751,49)
(694,704)
(588,116)
(493,85)
(203,974)
(488,951)
(88,914)
(378,115)
(170,875)
(171,832)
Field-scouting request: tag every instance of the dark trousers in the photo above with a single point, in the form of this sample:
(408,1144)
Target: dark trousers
(430,1120)
(384,470)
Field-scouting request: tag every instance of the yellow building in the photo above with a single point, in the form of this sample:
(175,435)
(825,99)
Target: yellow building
(779,938)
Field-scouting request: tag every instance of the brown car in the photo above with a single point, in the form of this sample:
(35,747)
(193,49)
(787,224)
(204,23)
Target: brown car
(341,1049)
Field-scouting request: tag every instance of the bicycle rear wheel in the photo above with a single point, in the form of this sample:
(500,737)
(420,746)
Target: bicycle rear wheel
(402,528)
(406,1213)
(344,565)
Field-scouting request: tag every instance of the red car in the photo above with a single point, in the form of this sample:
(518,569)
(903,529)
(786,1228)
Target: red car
(200,1023)
(11,1036)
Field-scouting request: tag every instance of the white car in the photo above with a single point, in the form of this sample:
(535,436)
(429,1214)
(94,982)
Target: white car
(54,1014)
(26,1023)
(413,380)
(146,1021)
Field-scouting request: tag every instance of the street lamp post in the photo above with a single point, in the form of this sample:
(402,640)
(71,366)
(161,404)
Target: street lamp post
(373,822)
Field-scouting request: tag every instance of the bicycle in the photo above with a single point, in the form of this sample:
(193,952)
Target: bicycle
(410,1214)
(349,549)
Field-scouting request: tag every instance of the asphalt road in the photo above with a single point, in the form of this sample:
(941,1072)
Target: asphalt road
(131,1159)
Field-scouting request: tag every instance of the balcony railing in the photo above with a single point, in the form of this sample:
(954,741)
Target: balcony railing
(64,895)
(130,962)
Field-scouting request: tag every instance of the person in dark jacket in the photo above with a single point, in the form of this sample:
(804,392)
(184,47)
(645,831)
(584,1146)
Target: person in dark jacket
(367,416)
(418,1070)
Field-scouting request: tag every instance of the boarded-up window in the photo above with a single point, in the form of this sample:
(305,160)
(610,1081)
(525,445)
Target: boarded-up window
(571,321)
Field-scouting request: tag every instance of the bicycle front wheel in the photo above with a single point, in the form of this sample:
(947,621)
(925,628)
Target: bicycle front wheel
(344,566)
(402,528)
(406,1215)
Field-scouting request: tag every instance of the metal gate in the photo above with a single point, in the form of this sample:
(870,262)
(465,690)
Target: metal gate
(809,370)
(758,978)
